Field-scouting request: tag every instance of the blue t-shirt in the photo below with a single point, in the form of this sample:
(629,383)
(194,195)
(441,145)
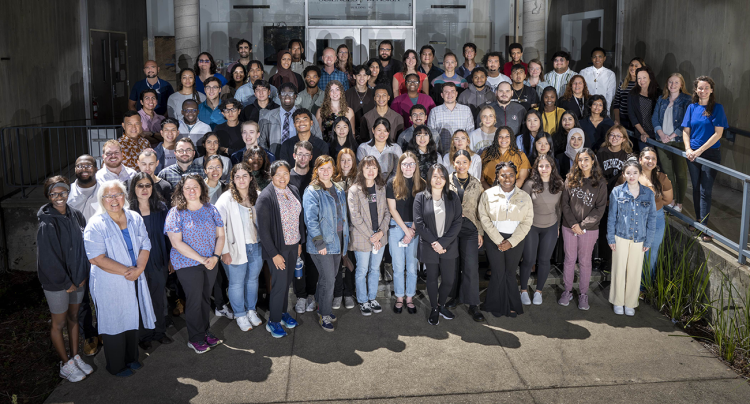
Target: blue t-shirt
(126,236)
(199,84)
(703,127)
(163,91)
(211,117)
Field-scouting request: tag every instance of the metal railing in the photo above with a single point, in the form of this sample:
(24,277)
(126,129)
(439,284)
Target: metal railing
(741,246)
(30,154)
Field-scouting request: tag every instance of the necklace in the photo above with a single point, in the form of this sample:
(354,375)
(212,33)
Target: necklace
(579,105)
(361,97)
(517,95)
(462,182)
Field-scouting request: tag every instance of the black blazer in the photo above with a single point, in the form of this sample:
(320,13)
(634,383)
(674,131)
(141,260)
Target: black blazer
(271,232)
(424,219)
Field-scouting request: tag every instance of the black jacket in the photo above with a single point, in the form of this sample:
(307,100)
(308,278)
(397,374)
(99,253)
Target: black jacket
(271,232)
(424,220)
(61,254)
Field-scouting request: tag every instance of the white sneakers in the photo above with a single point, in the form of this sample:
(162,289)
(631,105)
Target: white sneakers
(311,306)
(248,321)
(525,299)
(629,312)
(300,306)
(71,372)
(224,312)
(244,323)
(618,310)
(85,367)
(252,315)
(537,298)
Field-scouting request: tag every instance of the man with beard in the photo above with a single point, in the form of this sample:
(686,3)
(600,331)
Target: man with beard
(427,57)
(522,94)
(277,126)
(186,164)
(147,163)
(312,98)
(390,66)
(507,112)
(246,93)
(303,122)
(131,142)
(152,81)
(113,168)
(190,126)
(330,72)
(245,50)
(492,61)
(478,93)
(299,64)
(82,197)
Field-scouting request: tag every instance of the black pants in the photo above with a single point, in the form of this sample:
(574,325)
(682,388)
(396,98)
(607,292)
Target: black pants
(86,317)
(344,285)
(537,249)
(603,252)
(157,281)
(280,281)
(220,286)
(502,293)
(197,282)
(466,285)
(446,269)
(306,285)
(120,350)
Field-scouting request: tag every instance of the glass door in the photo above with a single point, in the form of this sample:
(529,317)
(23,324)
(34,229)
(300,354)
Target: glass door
(402,38)
(321,38)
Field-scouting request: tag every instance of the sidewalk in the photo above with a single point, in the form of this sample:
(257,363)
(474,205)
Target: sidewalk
(550,354)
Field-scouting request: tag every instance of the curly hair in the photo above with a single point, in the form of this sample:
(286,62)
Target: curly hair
(361,181)
(231,81)
(399,181)
(569,88)
(627,145)
(212,69)
(257,151)
(154,201)
(178,196)
(590,102)
(500,166)
(352,176)
(326,110)
(493,152)
(252,190)
(576,176)
(320,161)
(556,183)
(711,98)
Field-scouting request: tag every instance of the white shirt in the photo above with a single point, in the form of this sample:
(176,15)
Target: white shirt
(194,132)
(493,82)
(601,81)
(84,199)
(104,174)
(506,226)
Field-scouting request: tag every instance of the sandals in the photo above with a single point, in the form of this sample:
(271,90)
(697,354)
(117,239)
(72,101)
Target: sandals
(411,308)
(398,307)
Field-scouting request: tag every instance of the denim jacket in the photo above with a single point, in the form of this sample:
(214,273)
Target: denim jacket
(320,219)
(678,112)
(631,218)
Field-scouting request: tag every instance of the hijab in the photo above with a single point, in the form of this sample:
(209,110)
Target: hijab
(569,150)
(284,75)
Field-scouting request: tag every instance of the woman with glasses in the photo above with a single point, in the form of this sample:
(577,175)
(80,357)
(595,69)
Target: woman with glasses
(118,247)
(210,142)
(63,270)
(195,228)
(400,80)
(205,67)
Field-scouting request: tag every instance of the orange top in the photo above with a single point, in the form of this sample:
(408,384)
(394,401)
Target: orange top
(519,159)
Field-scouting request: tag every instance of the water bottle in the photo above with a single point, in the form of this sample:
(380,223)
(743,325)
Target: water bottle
(298,268)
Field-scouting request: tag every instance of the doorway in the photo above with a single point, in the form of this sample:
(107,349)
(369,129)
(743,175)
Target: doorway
(582,32)
(362,42)
(109,77)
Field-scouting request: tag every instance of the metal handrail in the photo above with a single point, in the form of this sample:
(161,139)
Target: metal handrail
(30,154)
(741,246)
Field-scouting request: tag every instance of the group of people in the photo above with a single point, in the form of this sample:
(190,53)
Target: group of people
(316,176)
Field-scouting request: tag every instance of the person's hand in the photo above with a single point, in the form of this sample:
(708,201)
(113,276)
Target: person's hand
(689,153)
(82,283)
(324,251)
(505,245)
(662,136)
(481,242)
(577,229)
(132,274)
(377,245)
(170,267)
(613,247)
(279,261)
(211,262)
(226,258)
(376,237)
(72,288)
(412,232)
(407,239)
(299,250)
(437,247)
(645,249)
(644,138)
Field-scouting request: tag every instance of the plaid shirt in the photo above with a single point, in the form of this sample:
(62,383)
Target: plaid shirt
(337,74)
(444,121)
(131,148)
(174,173)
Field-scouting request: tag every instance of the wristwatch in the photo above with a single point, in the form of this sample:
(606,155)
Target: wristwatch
(217,256)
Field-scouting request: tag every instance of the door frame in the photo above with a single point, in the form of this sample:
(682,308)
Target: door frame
(566,25)
(127,67)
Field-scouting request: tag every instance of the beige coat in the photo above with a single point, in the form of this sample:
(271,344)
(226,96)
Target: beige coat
(472,193)
(361,223)
(492,208)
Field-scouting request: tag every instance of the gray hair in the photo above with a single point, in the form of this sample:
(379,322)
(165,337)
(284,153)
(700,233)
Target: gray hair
(111,184)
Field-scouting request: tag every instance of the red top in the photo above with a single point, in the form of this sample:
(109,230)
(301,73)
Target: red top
(402,83)
(509,65)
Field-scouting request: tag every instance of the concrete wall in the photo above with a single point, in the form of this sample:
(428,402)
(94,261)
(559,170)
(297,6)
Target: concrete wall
(695,38)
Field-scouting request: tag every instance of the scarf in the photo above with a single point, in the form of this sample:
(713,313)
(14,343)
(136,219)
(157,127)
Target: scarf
(284,75)
(569,150)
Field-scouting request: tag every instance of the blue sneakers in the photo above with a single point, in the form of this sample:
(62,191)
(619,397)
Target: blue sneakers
(275,329)
(287,321)
(325,322)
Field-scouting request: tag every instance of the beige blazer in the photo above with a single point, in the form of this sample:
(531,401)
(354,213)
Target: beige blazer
(361,223)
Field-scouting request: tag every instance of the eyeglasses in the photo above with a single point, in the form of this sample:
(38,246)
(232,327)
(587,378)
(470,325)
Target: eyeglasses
(214,168)
(84,166)
(212,88)
(615,136)
(55,195)
(304,156)
(412,82)
(204,61)
(184,151)
(143,186)
(231,110)
(408,165)
(110,197)
(384,49)
(189,111)
(419,115)
(287,94)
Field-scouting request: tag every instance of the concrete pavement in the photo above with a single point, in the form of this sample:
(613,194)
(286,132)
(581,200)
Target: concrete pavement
(550,354)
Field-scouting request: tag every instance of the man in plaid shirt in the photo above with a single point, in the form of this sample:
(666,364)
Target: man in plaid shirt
(330,72)
(445,119)
(186,164)
(131,142)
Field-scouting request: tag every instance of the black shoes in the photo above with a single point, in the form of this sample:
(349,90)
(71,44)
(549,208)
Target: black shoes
(398,307)
(446,314)
(476,315)
(411,308)
(165,340)
(434,318)
(145,345)
(451,303)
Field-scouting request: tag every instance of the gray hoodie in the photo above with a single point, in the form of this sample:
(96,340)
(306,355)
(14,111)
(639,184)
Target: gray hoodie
(475,98)
(61,255)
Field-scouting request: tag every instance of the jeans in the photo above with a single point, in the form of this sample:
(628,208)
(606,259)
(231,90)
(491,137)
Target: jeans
(243,281)
(403,258)
(368,270)
(652,255)
(344,285)
(328,265)
(580,248)
(675,168)
(703,178)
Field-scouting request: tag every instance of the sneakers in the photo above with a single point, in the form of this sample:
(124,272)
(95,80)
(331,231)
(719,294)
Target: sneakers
(446,314)
(287,321)
(629,312)
(349,302)
(85,367)
(525,299)
(565,298)
(325,323)
(375,306)
(364,308)
(618,310)
(275,329)
(91,346)
(537,298)
(70,371)
(252,316)
(244,323)
(333,318)
(583,302)
(211,340)
(311,306)
(434,318)
(224,312)
(336,303)
(199,347)
(301,305)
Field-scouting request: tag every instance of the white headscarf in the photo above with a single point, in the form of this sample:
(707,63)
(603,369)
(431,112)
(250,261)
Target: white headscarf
(569,150)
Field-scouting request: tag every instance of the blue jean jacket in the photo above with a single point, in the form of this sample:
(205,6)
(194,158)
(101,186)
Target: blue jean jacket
(678,112)
(632,218)
(320,219)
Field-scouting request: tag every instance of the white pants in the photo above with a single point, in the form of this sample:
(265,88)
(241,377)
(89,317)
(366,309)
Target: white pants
(627,266)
